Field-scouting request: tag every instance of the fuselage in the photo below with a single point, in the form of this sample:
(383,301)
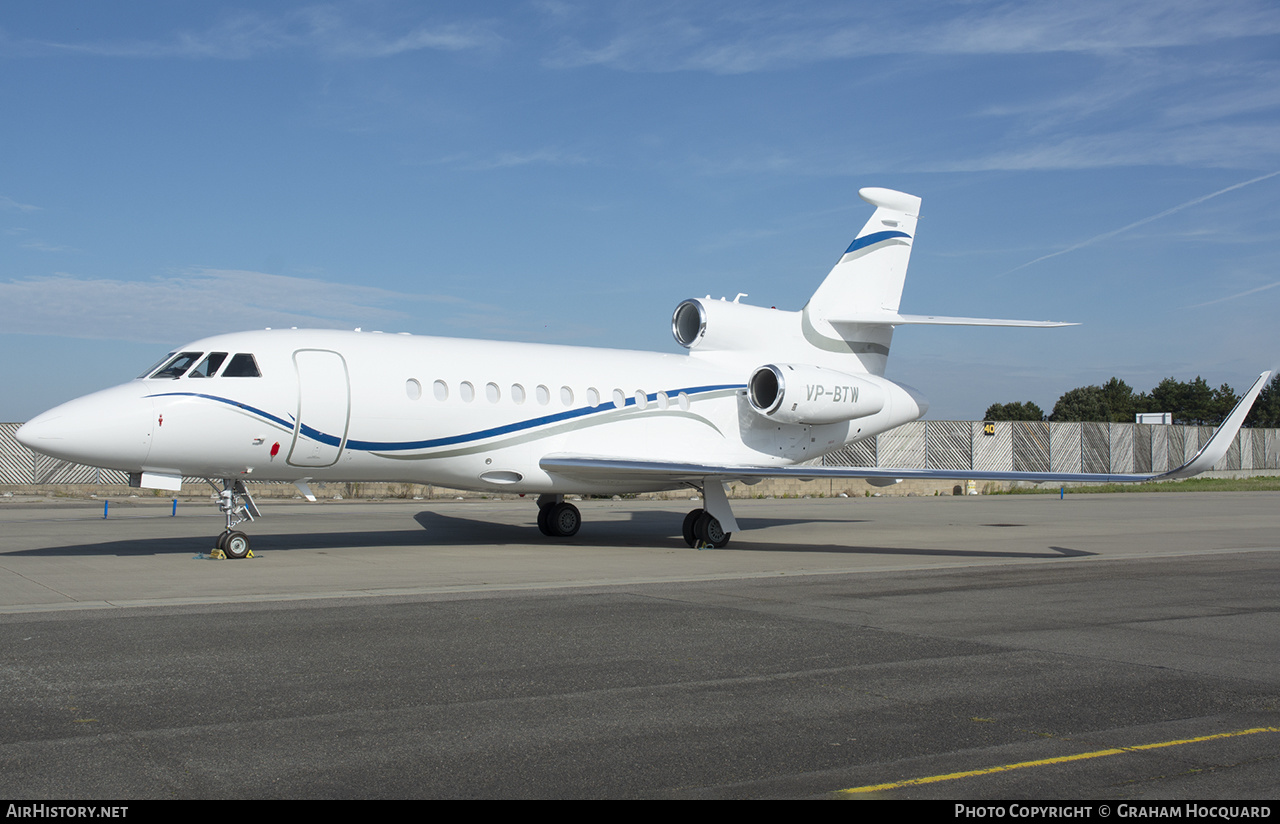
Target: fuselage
(290,405)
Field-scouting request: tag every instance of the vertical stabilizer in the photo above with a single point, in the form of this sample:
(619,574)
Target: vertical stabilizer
(868,278)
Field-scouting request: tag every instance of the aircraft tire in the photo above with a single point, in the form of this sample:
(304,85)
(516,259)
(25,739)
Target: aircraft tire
(544,524)
(690,529)
(222,539)
(235,545)
(710,532)
(564,520)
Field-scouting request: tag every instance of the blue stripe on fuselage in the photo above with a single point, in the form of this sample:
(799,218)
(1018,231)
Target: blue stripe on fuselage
(404,446)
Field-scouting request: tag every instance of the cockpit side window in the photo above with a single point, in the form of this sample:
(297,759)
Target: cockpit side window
(242,366)
(177,365)
(209,366)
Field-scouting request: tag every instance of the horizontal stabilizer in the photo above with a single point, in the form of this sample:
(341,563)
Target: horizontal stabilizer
(895,319)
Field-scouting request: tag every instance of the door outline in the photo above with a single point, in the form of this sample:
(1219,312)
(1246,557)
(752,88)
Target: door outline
(319,371)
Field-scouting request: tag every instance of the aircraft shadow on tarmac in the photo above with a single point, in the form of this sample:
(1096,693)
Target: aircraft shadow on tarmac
(640,530)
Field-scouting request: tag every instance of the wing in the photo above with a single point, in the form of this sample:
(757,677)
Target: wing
(595,468)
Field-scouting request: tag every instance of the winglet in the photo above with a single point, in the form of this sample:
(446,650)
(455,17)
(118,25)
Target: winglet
(1218,445)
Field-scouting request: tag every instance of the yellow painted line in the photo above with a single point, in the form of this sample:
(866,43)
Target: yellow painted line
(933,779)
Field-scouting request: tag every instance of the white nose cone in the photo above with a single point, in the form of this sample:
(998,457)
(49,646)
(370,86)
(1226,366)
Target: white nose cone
(110,429)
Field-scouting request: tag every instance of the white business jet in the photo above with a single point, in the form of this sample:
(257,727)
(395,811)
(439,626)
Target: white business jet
(760,391)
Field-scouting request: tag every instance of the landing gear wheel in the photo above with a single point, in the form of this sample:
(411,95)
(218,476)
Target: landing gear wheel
(222,539)
(690,527)
(235,544)
(710,532)
(544,526)
(564,520)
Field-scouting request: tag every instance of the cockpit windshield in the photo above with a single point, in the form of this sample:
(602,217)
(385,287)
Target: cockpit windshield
(175,367)
(209,366)
(153,367)
(178,364)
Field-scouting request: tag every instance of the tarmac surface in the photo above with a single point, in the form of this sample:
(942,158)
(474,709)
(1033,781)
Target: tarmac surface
(1120,646)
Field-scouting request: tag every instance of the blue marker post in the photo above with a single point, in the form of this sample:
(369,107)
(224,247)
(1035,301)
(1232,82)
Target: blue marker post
(104,509)
(1062,492)
(174,514)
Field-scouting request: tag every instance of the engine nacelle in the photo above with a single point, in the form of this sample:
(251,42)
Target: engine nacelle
(722,325)
(797,393)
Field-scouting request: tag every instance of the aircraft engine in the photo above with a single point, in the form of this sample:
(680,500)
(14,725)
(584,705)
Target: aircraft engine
(796,393)
(722,325)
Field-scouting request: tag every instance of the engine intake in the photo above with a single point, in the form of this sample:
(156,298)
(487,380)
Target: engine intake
(726,326)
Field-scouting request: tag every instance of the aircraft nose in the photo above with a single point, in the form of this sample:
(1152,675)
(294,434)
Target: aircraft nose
(110,429)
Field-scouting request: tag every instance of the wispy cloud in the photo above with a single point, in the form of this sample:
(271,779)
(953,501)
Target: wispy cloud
(11,205)
(738,38)
(35,244)
(193,304)
(1144,221)
(510,159)
(320,29)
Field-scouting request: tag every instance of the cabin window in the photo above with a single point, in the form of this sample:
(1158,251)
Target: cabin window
(413,389)
(209,366)
(242,366)
(642,400)
(466,391)
(663,400)
(593,397)
(544,395)
(619,398)
(492,392)
(177,365)
(566,396)
(683,400)
(441,390)
(517,393)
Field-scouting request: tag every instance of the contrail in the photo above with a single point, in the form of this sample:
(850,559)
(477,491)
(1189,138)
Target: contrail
(1233,297)
(1145,220)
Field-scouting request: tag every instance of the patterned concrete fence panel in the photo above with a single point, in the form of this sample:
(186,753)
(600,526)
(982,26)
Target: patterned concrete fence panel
(1095,447)
(1160,449)
(1064,447)
(1031,451)
(862,453)
(1142,447)
(902,447)
(948,445)
(17,465)
(992,452)
(1120,438)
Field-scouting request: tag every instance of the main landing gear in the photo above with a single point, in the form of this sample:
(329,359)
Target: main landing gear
(702,529)
(556,518)
(235,502)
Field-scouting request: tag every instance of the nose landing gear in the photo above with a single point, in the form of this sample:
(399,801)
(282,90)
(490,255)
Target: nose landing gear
(235,502)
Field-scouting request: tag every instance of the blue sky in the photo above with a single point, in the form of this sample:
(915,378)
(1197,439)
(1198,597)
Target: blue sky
(568,172)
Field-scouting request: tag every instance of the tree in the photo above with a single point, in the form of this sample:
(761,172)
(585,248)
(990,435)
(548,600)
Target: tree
(1017,411)
(1119,400)
(1266,409)
(1084,403)
(1113,401)
(1192,403)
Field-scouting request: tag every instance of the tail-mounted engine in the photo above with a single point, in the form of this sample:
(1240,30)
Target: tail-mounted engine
(722,325)
(796,393)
